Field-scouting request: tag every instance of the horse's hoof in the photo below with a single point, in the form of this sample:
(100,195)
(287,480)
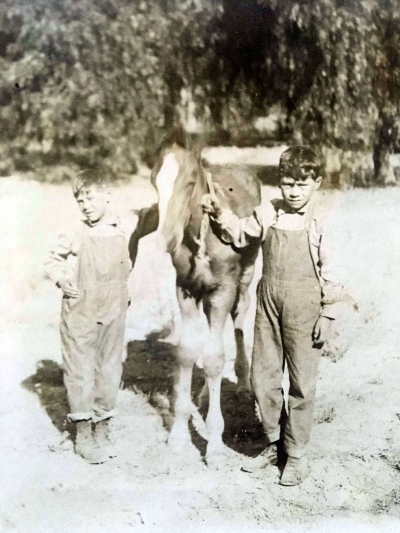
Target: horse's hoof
(179,458)
(217,457)
(216,461)
(178,444)
(176,447)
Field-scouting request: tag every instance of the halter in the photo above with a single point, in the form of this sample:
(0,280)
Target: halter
(205,223)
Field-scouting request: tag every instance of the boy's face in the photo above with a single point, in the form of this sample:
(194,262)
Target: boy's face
(298,190)
(93,202)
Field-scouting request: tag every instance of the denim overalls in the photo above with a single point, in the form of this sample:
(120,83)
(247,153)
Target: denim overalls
(288,306)
(92,327)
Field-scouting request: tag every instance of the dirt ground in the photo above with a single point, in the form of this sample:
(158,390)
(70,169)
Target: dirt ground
(355,454)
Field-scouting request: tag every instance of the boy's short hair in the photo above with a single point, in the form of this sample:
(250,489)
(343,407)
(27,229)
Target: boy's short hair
(301,158)
(89,177)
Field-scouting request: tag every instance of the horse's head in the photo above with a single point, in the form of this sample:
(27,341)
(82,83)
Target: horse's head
(178,178)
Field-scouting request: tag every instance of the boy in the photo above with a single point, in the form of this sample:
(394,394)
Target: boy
(91,267)
(297,298)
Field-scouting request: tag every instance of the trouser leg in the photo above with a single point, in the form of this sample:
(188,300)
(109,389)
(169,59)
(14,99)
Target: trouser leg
(267,362)
(108,369)
(299,316)
(79,348)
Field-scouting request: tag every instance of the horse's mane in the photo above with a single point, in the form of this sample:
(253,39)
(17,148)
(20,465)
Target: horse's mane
(190,185)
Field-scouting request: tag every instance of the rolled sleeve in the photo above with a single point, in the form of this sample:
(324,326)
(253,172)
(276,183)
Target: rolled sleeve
(241,231)
(56,262)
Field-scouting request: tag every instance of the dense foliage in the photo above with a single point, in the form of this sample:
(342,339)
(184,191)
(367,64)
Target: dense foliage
(88,82)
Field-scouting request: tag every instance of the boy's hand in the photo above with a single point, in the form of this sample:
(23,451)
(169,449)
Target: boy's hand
(69,289)
(211,205)
(322,331)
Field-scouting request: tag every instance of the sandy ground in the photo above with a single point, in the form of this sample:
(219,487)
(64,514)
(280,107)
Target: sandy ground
(355,455)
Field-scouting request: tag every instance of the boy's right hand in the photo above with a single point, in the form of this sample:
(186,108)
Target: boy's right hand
(211,205)
(69,289)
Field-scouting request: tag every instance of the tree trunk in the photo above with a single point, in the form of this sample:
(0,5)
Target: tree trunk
(344,169)
(384,174)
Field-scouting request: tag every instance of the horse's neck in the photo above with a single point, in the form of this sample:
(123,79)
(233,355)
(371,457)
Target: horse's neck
(190,193)
(199,190)
(185,201)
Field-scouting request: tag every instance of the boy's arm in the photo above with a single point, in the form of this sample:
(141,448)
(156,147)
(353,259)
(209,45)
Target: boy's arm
(234,230)
(55,264)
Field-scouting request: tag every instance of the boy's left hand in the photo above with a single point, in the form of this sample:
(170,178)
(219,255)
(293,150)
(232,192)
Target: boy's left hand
(322,331)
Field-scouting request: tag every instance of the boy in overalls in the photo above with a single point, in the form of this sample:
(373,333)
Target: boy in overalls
(91,266)
(297,298)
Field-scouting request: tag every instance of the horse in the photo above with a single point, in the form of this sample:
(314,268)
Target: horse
(210,276)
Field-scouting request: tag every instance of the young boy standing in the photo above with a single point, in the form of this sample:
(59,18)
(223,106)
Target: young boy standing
(91,267)
(297,298)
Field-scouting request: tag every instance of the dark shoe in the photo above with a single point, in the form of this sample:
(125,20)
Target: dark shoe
(85,445)
(295,472)
(104,439)
(267,458)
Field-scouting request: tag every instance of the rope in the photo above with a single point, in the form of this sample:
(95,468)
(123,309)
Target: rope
(205,223)
(210,184)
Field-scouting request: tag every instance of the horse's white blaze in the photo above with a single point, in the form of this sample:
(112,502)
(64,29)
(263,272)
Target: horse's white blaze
(165,182)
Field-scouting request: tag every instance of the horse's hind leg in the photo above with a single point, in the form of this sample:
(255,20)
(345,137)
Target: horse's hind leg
(238,313)
(216,308)
(188,351)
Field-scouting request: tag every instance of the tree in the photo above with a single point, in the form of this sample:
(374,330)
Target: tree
(387,88)
(83,81)
(339,69)
(88,82)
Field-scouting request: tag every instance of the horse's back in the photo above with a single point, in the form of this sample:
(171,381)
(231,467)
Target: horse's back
(241,191)
(237,188)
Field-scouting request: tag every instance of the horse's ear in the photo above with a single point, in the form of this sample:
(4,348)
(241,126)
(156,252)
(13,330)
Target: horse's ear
(197,149)
(177,135)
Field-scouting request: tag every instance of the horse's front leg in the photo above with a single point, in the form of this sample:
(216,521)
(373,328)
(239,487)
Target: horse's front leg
(216,307)
(188,351)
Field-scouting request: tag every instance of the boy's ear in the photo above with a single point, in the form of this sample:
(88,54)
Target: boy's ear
(107,192)
(318,182)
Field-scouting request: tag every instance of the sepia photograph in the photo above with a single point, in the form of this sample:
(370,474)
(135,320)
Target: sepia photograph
(200,266)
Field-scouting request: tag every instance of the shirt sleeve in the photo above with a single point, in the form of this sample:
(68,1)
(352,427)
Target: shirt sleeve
(334,294)
(55,264)
(242,231)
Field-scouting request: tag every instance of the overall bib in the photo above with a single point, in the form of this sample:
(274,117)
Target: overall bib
(93,325)
(288,306)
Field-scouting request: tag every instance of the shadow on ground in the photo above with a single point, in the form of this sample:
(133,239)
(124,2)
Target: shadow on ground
(48,384)
(150,369)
